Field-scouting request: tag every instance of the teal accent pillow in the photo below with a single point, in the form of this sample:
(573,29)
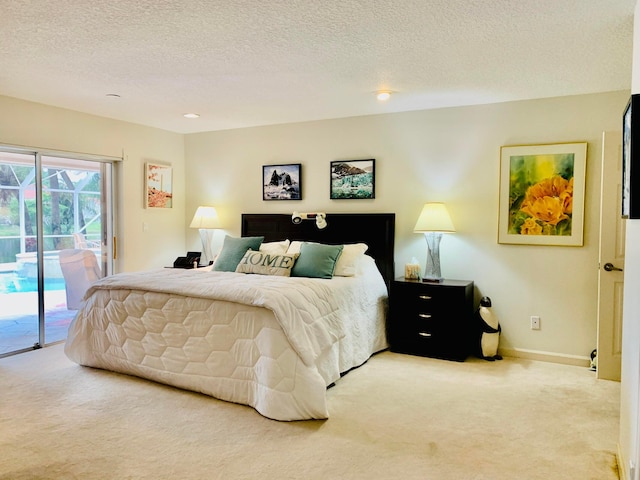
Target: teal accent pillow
(316,260)
(233,249)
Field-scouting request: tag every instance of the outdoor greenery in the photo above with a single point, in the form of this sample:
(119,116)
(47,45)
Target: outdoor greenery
(61,188)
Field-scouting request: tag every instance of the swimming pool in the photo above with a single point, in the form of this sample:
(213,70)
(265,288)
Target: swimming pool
(22,276)
(12,283)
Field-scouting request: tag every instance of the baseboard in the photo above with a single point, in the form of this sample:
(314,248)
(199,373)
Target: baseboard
(551,357)
(622,470)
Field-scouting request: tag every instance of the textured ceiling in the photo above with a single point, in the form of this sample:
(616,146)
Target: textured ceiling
(241,63)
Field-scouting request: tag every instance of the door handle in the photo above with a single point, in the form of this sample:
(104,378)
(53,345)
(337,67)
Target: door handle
(609,267)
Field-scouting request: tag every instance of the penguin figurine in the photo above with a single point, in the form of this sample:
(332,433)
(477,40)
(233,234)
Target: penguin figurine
(490,331)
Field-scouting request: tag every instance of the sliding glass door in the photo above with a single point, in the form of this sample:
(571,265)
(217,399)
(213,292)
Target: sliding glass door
(55,240)
(19,327)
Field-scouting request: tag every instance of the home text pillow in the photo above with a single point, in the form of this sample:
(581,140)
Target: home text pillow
(265,263)
(233,249)
(347,264)
(316,260)
(275,247)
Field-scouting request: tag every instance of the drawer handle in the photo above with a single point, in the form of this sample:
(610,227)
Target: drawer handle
(424,334)
(424,297)
(424,315)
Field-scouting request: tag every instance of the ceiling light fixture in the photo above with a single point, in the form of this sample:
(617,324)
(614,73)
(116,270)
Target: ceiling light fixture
(383,95)
(191,115)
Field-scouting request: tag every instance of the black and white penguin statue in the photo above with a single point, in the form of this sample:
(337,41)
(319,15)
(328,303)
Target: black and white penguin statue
(490,330)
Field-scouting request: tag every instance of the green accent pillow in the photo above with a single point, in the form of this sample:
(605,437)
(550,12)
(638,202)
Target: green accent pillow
(233,249)
(316,260)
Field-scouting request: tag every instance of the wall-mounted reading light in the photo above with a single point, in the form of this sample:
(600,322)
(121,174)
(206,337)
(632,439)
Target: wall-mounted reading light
(320,218)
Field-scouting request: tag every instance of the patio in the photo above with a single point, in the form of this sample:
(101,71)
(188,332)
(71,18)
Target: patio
(19,319)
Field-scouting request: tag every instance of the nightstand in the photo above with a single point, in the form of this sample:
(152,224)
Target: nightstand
(431,319)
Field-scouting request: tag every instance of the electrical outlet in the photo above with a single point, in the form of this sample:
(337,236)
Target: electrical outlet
(535,322)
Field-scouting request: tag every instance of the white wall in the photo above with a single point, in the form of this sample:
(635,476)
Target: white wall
(449,155)
(629,444)
(35,125)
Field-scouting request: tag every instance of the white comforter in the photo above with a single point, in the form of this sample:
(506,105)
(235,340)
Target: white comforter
(274,343)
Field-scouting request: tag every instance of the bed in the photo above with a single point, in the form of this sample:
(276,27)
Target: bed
(272,342)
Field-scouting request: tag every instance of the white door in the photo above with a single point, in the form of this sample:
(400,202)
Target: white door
(611,260)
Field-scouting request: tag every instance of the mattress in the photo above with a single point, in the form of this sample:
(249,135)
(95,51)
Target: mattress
(273,343)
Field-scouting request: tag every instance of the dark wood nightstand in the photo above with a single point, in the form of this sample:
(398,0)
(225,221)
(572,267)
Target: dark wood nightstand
(431,319)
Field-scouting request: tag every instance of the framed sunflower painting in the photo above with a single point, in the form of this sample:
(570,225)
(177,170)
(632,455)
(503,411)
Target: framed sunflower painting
(542,194)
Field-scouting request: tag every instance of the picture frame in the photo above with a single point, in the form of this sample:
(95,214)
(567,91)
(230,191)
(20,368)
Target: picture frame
(282,182)
(630,205)
(353,179)
(542,191)
(158,186)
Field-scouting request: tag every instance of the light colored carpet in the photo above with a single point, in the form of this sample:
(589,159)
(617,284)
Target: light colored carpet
(397,416)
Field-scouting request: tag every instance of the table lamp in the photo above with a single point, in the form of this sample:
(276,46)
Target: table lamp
(206,220)
(433,221)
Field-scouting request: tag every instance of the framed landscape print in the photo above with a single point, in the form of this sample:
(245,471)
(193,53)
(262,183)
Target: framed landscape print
(542,194)
(282,182)
(158,186)
(353,179)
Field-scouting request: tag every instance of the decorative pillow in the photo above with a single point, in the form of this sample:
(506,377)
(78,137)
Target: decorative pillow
(294,247)
(316,260)
(347,263)
(275,247)
(264,263)
(233,249)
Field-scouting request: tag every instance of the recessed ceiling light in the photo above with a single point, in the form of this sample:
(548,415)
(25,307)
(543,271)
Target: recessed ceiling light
(383,95)
(112,95)
(191,115)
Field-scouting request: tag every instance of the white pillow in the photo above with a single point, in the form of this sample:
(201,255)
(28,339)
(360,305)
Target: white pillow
(294,247)
(275,247)
(347,264)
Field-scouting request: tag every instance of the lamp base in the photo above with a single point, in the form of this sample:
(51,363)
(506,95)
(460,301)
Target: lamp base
(433,280)
(206,236)
(432,269)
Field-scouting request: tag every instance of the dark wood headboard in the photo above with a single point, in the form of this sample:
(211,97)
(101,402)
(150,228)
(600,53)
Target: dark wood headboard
(377,230)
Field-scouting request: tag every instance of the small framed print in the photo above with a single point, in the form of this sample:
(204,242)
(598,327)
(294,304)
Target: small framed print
(353,179)
(158,186)
(282,182)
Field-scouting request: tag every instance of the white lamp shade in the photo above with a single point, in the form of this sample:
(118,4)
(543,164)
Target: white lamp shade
(205,217)
(434,218)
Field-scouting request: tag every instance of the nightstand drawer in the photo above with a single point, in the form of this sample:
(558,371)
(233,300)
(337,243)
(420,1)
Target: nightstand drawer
(422,327)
